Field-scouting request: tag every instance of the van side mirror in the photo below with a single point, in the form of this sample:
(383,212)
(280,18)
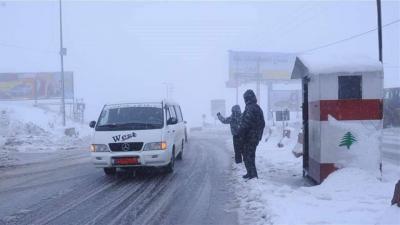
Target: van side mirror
(172,121)
(92,124)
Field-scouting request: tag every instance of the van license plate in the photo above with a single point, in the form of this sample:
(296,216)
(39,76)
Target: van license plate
(126,161)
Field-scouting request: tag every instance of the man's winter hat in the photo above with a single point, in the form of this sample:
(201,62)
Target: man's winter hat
(249,97)
(236,108)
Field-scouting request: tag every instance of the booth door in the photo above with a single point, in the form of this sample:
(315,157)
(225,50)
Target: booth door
(305,81)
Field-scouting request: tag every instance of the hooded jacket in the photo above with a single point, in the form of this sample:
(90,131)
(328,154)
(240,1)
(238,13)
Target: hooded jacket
(233,120)
(252,121)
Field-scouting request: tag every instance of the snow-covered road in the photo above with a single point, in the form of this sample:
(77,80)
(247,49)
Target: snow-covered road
(67,189)
(390,145)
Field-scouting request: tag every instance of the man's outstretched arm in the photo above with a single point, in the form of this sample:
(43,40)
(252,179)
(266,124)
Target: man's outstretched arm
(223,119)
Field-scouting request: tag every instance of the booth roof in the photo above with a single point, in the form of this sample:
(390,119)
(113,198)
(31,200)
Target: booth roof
(323,64)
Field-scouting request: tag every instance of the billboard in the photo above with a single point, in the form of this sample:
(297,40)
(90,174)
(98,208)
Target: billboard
(251,66)
(285,100)
(218,106)
(29,86)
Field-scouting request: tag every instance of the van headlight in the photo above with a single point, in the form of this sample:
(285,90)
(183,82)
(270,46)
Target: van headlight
(155,146)
(99,148)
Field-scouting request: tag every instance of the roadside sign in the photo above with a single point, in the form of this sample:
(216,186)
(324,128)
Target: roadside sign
(31,86)
(263,66)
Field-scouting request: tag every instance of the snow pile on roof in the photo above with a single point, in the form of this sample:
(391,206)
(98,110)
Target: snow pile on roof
(322,64)
(24,128)
(282,196)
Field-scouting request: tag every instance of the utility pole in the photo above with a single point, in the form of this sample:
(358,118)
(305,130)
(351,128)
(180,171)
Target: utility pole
(378,4)
(237,91)
(168,89)
(62,53)
(258,82)
(379,14)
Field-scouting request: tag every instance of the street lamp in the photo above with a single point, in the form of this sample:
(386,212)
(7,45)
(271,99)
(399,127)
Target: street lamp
(63,51)
(168,88)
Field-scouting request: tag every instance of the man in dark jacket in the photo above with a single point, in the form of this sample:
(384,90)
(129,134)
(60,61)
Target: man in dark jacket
(251,130)
(233,120)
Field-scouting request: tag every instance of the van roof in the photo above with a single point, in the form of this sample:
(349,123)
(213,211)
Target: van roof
(164,101)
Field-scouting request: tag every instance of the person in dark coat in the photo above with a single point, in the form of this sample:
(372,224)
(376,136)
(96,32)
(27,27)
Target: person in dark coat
(251,130)
(233,120)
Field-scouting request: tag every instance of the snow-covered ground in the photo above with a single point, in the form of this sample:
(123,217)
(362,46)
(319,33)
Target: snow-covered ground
(282,196)
(27,131)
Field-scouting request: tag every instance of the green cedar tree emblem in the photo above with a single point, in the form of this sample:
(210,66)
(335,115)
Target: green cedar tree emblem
(347,140)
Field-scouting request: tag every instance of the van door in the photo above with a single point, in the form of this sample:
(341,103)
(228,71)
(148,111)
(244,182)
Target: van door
(172,128)
(168,129)
(180,126)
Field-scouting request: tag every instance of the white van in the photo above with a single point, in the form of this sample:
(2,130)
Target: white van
(138,135)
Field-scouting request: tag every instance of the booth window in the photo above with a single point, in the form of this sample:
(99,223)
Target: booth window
(350,87)
(283,115)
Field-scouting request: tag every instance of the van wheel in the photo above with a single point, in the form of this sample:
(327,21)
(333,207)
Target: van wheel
(109,171)
(180,155)
(170,167)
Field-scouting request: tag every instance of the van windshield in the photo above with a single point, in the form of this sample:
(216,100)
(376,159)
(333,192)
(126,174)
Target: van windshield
(131,117)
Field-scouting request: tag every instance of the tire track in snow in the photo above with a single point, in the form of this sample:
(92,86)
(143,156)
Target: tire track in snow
(108,212)
(185,197)
(30,172)
(17,188)
(142,203)
(185,201)
(56,207)
(178,184)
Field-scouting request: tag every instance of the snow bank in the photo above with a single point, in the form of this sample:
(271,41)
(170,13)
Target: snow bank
(29,129)
(391,215)
(282,196)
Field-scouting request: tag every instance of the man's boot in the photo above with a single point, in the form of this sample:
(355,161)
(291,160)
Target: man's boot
(396,195)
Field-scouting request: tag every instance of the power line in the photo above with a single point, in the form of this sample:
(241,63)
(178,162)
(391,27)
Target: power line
(347,39)
(28,48)
(291,19)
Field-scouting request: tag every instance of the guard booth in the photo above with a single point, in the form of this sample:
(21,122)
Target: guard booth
(342,114)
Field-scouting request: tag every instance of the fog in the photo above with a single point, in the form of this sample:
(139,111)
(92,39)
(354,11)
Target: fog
(124,51)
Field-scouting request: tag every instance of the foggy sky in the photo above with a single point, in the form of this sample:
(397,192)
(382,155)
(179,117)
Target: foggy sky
(127,50)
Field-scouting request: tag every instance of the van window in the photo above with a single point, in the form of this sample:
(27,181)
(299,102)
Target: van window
(172,111)
(350,87)
(130,117)
(179,113)
(168,113)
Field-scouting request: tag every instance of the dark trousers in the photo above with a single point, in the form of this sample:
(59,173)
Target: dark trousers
(238,148)
(249,157)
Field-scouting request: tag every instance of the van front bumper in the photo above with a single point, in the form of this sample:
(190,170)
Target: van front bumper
(156,158)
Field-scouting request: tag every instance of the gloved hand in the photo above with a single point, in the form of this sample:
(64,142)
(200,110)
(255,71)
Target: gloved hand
(218,114)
